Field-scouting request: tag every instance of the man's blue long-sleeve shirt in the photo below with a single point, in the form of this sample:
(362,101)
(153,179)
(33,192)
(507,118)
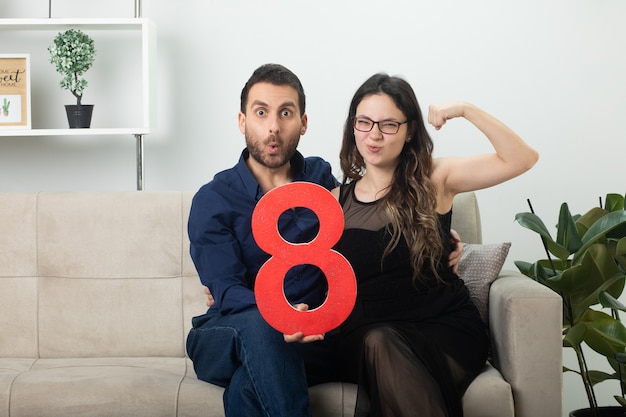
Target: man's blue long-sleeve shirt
(223,248)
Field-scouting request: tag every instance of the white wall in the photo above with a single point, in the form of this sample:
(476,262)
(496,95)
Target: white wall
(554,71)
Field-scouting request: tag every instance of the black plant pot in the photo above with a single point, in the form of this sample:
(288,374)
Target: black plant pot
(613,411)
(79,116)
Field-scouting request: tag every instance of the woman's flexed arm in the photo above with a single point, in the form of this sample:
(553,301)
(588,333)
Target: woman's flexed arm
(511,158)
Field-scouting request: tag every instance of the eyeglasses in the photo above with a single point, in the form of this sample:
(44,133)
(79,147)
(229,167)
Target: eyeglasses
(390,127)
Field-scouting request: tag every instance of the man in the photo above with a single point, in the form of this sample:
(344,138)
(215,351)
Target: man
(263,372)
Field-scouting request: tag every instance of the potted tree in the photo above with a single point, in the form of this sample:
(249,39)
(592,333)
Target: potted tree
(73,54)
(586,265)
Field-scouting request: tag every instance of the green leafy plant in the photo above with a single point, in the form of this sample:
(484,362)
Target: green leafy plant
(72,53)
(586,265)
(5,105)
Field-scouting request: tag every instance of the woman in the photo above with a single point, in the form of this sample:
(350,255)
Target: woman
(414,340)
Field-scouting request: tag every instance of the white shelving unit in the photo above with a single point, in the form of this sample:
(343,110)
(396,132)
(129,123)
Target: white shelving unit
(148,78)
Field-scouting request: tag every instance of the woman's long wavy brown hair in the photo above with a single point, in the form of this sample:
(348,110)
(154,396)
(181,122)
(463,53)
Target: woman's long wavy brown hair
(411,200)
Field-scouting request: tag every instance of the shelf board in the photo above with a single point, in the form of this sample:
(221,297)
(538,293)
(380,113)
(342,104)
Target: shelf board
(75,132)
(55,23)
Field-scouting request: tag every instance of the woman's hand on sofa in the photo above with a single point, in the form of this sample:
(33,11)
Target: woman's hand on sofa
(457,251)
(209,297)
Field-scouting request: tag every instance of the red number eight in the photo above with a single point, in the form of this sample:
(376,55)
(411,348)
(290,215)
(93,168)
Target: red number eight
(268,288)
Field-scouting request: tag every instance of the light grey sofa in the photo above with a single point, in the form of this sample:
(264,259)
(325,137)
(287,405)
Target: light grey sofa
(97,292)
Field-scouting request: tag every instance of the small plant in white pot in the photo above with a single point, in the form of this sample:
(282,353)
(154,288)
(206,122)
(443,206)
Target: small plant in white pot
(73,53)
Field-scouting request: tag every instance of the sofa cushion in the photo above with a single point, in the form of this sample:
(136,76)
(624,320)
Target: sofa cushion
(488,388)
(110,274)
(479,266)
(333,399)
(86,386)
(18,274)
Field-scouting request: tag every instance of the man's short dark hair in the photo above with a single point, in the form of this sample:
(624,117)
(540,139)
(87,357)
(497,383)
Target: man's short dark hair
(275,74)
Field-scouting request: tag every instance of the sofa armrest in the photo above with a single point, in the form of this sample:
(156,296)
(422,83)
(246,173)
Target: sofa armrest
(525,320)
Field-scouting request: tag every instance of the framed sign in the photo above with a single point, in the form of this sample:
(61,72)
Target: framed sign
(15,91)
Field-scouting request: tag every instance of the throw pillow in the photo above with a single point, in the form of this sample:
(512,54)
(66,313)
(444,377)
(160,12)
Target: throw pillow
(479,266)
